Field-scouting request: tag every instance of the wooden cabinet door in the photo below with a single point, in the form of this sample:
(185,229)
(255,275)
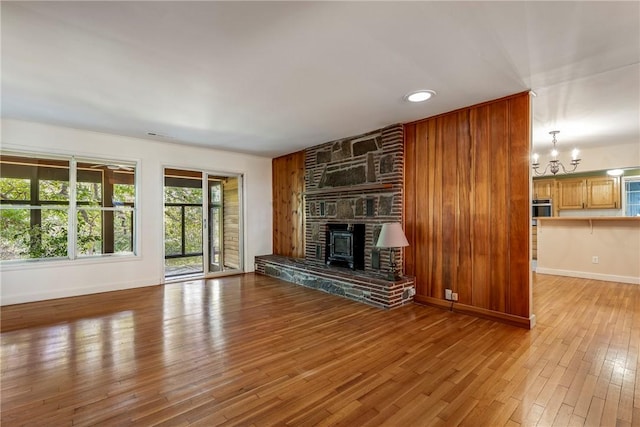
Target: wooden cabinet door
(543,188)
(571,194)
(603,193)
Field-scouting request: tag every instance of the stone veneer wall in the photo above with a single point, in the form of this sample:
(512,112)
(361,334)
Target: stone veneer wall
(344,182)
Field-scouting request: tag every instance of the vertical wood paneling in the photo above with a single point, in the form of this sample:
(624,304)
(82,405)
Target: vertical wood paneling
(464,169)
(467,203)
(447,137)
(434,210)
(423,258)
(498,201)
(481,223)
(288,205)
(519,178)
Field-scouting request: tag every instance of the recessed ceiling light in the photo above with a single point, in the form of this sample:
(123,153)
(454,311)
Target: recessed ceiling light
(420,95)
(615,172)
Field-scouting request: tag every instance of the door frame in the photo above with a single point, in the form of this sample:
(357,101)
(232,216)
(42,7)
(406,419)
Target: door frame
(205,226)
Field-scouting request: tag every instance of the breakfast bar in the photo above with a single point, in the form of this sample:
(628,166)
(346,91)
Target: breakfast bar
(601,248)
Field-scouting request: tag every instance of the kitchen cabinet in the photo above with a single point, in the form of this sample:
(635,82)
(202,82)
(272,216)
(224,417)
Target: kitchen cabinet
(603,193)
(589,193)
(543,188)
(571,194)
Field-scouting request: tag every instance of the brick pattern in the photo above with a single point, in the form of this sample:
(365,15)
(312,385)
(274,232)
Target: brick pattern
(333,172)
(364,287)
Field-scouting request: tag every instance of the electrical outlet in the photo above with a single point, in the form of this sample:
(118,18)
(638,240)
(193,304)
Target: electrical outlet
(448,294)
(595,260)
(454,296)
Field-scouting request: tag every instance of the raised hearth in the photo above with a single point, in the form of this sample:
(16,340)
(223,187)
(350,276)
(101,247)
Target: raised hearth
(370,288)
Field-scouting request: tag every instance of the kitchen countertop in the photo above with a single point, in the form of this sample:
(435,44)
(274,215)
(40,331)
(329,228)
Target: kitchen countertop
(588,218)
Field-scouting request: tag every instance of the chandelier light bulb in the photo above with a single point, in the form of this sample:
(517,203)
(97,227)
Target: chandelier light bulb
(555,165)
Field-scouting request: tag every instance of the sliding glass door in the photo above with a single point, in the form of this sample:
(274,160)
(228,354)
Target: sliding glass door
(202,234)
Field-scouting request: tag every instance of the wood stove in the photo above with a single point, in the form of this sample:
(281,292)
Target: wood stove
(345,245)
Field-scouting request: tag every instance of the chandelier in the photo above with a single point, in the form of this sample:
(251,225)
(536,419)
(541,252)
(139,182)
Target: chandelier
(554,164)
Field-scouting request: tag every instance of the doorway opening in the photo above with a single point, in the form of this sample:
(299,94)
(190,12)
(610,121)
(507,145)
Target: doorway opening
(202,224)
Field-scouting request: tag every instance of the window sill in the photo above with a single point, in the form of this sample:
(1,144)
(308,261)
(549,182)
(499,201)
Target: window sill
(60,262)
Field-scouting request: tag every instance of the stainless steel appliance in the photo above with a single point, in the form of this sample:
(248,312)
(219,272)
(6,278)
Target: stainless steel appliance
(541,207)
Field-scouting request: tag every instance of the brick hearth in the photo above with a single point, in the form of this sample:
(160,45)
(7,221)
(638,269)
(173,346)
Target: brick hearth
(368,287)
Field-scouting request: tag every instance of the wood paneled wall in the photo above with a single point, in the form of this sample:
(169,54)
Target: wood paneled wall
(467,208)
(288,205)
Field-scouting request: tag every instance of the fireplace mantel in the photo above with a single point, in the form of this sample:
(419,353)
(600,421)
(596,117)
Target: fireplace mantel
(352,188)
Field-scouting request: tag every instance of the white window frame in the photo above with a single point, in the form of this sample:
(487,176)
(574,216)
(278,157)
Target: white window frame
(626,179)
(73,209)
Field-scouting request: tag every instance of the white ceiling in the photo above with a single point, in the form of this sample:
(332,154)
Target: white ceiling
(270,78)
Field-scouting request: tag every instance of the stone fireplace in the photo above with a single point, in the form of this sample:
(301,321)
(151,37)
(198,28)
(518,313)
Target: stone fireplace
(354,181)
(352,187)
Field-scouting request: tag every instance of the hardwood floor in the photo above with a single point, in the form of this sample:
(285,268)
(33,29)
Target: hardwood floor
(252,350)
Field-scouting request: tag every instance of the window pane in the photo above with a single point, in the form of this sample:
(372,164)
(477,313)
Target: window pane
(193,229)
(123,231)
(90,192)
(214,239)
(633,185)
(123,193)
(46,238)
(15,189)
(15,234)
(50,190)
(632,191)
(216,192)
(183,195)
(55,223)
(89,239)
(172,230)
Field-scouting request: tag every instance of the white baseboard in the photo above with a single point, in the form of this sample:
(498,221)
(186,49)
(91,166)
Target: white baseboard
(588,275)
(73,292)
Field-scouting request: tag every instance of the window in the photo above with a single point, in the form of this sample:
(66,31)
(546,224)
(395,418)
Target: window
(632,196)
(183,218)
(63,208)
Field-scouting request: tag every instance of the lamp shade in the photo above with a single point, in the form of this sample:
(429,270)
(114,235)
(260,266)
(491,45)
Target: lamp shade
(392,236)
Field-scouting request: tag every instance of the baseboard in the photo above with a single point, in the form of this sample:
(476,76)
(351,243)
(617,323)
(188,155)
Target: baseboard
(65,293)
(588,275)
(521,322)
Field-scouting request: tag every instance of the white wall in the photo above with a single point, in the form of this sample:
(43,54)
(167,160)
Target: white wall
(53,279)
(611,156)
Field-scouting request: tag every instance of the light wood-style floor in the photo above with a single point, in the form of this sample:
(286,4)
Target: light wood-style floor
(254,351)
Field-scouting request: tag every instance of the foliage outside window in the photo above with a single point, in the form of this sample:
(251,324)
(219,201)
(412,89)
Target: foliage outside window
(39,207)
(183,218)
